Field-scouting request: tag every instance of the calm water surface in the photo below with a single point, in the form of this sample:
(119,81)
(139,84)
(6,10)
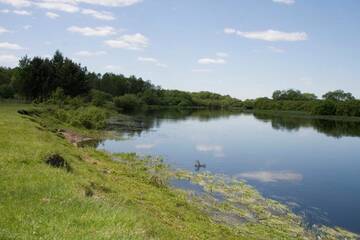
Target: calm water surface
(311,165)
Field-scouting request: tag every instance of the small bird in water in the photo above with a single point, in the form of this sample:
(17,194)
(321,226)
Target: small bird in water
(198,165)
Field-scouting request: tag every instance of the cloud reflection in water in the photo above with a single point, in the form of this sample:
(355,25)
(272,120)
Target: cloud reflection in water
(216,150)
(271,176)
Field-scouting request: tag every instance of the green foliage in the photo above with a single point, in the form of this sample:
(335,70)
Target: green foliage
(5,76)
(6,91)
(338,95)
(100,199)
(118,85)
(128,102)
(294,95)
(57,97)
(63,82)
(151,97)
(99,98)
(348,108)
(325,108)
(39,78)
(84,117)
(309,96)
(90,118)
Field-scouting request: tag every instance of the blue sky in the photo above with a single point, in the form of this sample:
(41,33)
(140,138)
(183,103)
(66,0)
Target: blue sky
(245,48)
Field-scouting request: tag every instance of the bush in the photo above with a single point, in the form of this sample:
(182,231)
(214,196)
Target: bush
(128,102)
(90,118)
(6,91)
(57,97)
(348,108)
(84,117)
(325,108)
(99,98)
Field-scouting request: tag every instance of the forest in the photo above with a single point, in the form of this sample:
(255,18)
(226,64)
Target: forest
(60,79)
(42,79)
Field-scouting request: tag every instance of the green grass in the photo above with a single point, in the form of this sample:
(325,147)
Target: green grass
(114,196)
(41,202)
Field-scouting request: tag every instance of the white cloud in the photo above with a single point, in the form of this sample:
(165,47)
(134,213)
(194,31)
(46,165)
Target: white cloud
(211,61)
(222,54)
(111,3)
(58,6)
(201,70)
(10,46)
(229,30)
(287,2)
(147,59)
(22,12)
(216,150)
(99,15)
(276,49)
(18,12)
(271,35)
(70,6)
(145,146)
(97,31)
(268,176)
(7,58)
(132,42)
(17,3)
(3,30)
(152,60)
(52,15)
(90,54)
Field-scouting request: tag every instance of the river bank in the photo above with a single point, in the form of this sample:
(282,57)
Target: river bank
(104,196)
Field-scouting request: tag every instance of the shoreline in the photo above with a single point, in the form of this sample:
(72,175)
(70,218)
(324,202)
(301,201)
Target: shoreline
(258,217)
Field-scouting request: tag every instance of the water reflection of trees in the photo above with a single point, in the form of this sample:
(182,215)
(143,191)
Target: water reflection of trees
(140,122)
(144,121)
(333,128)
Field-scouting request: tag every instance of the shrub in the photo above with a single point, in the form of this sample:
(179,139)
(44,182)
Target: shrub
(90,118)
(99,98)
(128,102)
(57,97)
(85,117)
(6,91)
(325,108)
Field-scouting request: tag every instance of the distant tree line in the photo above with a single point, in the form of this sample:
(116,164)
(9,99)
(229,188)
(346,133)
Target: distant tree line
(43,79)
(336,102)
(61,80)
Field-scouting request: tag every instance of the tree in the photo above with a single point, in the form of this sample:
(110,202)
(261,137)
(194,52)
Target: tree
(128,102)
(326,107)
(6,91)
(309,96)
(99,98)
(293,95)
(338,95)
(39,78)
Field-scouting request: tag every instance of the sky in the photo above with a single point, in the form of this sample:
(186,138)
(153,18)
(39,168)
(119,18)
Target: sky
(244,48)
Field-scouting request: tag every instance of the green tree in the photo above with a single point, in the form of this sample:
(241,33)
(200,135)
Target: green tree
(128,102)
(325,108)
(338,95)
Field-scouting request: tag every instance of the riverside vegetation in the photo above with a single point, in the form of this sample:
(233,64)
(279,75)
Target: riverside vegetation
(52,189)
(63,80)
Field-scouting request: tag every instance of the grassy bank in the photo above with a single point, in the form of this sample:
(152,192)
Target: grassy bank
(98,199)
(102,196)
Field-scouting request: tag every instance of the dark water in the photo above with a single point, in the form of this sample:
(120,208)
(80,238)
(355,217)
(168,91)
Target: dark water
(310,164)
